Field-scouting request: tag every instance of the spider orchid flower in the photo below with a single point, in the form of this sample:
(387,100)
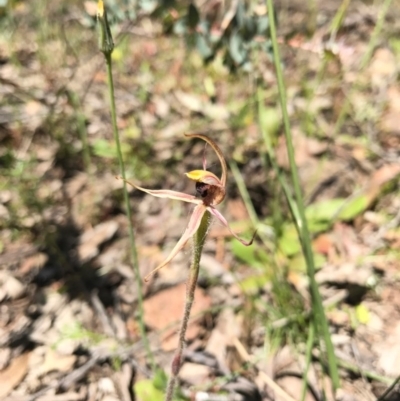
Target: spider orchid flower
(211,190)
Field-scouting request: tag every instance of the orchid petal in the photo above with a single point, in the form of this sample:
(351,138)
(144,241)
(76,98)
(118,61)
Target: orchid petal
(204,157)
(222,219)
(204,176)
(165,193)
(217,150)
(194,223)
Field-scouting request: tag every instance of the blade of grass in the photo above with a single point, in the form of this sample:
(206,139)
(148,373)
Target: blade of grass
(244,193)
(262,229)
(296,217)
(310,344)
(107,46)
(319,317)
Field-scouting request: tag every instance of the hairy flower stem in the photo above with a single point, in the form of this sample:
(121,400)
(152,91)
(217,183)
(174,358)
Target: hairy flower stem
(198,242)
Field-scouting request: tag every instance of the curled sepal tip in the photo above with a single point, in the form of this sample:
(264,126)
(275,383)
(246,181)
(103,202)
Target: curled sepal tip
(222,219)
(217,150)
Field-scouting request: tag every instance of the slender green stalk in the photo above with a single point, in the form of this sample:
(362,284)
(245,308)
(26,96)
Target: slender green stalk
(244,193)
(319,317)
(107,46)
(338,19)
(255,221)
(310,344)
(198,242)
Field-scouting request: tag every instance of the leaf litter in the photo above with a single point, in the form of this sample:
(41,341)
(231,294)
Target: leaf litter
(63,229)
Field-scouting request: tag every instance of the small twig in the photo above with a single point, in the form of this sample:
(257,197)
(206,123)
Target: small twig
(389,390)
(356,369)
(105,321)
(69,379)
(98,355)
(268,381)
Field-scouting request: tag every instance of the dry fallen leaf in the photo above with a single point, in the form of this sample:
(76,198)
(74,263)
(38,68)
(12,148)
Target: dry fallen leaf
(382,68)
(12,376)
(381,177)
(93,238)
(389,353)
(36,261)
(53,361)
(166,308)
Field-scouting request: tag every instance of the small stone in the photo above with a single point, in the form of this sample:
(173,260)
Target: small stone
(10,287)
(194,374)
(106,385)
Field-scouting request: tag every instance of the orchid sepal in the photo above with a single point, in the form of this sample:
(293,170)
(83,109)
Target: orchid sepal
(166,193)
(192,227)
(222,219)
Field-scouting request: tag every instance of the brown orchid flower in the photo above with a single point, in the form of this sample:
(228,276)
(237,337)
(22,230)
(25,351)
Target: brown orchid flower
(212,192)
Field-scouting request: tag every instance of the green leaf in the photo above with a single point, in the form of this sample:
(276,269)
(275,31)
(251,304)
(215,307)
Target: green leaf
(324,210)
(103,148)
(193,16)
(253,284)
(250,28)
(263,25)
(152,390)
(289,242)
(107,149)
(354,207)
(240,15)
(321,215)
(145,390)
(251,255)
(203,47)
(270,121)
(236,48)
(180,27)
(298,263)
(160,379)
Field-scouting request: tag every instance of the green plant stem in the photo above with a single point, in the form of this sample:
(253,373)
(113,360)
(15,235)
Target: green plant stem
(198,242)
(319,317)
(310,344)
(244,193)
(134,258)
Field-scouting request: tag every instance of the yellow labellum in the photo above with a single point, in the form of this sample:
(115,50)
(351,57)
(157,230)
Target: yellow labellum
(204,176)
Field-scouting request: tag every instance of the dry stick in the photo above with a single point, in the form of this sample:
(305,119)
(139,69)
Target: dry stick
(268,381)
(198,243)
